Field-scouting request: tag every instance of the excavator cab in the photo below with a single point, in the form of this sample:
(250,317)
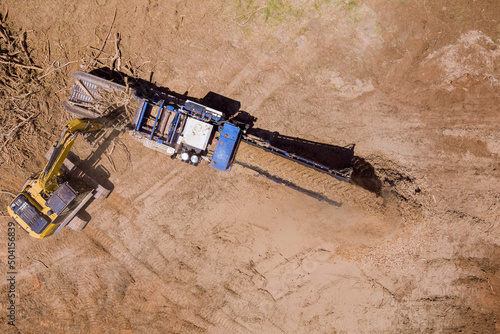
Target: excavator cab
(27,211)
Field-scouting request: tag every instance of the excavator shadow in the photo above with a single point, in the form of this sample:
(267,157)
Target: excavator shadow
(332,156)
(91,166)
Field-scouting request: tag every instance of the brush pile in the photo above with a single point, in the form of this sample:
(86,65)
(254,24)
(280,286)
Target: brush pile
(21,127)
(109,100)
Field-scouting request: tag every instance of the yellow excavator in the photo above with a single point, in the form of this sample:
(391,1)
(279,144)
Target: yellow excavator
(51,199)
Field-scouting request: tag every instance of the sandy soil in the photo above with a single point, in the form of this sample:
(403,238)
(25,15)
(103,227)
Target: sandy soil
(413,84)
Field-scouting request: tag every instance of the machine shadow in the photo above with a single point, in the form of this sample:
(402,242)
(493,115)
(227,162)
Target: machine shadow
(333,156)
(91,166)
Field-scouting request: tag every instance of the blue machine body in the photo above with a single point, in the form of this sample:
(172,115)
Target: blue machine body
(167,124)
(226,147)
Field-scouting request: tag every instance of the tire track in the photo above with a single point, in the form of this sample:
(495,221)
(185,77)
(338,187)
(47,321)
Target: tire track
(259,80)
(304,179)
(158,288)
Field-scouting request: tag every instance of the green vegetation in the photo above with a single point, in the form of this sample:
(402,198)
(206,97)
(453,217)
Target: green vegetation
(319,3)
(351,5)
(279,10)
(462,15)
(269,10)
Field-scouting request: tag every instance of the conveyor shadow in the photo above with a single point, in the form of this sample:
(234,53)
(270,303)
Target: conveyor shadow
(332,156)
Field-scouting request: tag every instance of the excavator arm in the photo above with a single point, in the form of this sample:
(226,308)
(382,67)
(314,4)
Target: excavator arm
(45,204)
(47,178)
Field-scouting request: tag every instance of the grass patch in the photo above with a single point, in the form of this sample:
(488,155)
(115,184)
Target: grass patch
(269,10)
(277,10)
(462,14)
(351,6)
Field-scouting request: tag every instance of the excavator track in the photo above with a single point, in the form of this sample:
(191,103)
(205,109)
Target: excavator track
(328,186)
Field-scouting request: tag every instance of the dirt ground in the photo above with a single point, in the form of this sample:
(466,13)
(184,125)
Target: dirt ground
(181,249)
